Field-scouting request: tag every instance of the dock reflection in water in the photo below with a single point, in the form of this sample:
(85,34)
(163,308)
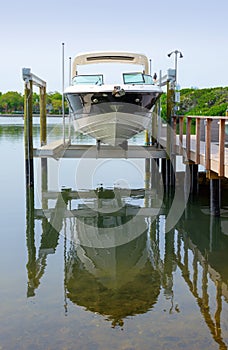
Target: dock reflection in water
(118,260)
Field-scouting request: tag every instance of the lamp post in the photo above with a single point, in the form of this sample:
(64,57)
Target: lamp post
(176,52)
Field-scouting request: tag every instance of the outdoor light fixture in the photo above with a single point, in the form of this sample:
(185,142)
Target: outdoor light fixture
(176,52)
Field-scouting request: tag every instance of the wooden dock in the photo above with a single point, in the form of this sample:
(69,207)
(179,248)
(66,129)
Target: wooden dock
(211,154)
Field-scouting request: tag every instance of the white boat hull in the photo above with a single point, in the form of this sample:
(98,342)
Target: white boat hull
(112,128)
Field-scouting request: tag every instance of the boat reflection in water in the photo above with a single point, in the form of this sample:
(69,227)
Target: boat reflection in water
(115,282)
(108,270)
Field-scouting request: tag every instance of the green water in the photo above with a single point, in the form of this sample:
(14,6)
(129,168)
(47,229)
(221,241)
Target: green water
(91,270)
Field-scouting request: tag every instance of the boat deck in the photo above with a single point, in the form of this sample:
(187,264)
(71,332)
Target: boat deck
(58,149)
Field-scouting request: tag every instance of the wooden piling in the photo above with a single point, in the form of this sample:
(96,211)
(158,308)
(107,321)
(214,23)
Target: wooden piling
(28,134)
(31,79)
(215,196)
(154,131)
(43,141)
(154,170)
(170,94)
(43,116)
(170,176)
(168,172)
(147,138)
(163,171)
(221,147)
(194,177)
(147,180)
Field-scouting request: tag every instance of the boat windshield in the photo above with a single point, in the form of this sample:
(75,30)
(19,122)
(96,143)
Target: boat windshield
(137,78)
(88,79)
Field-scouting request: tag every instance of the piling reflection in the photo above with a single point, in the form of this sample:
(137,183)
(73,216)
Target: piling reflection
(126,279)
(48,242)
(207,245)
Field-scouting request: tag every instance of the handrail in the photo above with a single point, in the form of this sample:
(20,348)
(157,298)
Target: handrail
(204,116)
(208,142)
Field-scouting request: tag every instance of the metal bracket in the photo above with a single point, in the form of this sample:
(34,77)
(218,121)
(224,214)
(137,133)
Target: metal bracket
(28,76)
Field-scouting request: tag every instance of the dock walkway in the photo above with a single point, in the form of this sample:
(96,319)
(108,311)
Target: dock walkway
(181,149)
(213,155)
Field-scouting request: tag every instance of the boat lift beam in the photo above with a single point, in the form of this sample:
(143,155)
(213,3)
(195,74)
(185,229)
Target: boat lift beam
(28,76)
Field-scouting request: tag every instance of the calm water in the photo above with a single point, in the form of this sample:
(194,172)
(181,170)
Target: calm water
(108,269)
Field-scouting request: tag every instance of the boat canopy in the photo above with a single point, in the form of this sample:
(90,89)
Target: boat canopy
(104,57)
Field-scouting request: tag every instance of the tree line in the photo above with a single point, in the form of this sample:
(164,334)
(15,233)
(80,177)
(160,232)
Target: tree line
(209,101)
(12,102)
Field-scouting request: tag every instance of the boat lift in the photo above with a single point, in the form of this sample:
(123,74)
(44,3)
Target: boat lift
(65,149)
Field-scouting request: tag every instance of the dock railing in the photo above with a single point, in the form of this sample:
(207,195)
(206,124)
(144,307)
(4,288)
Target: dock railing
(185,128)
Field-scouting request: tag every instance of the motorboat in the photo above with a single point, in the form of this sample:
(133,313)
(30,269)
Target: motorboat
(112,113)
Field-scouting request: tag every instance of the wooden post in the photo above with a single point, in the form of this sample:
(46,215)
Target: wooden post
(221,147)
(170,103)
(163,171)
(197,160)
(154,131)
(173,151)
(168,172)
(208,144)
(43,141)
(43,116)
(194,177)
(154,172)
(188,137)
(28,134)
(147,179)
(181,126)
(174,134)
(147,139)
(215,196)
(168,118)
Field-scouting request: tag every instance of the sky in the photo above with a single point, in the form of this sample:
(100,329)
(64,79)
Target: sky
(32,34)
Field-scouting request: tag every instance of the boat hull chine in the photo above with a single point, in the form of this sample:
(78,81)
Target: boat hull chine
(112,128)
(112,119)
